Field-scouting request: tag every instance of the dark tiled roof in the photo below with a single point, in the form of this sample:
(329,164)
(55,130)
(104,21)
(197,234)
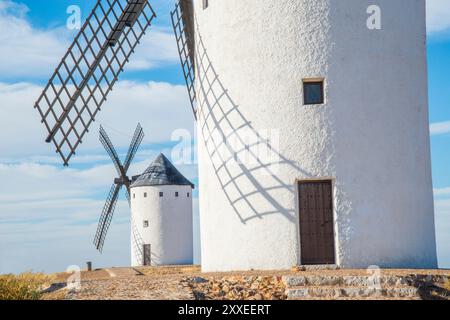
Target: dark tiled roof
(161,172)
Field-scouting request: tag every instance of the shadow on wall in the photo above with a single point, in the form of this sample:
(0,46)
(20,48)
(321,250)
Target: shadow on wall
(245,162)
(138,247)
(137,243)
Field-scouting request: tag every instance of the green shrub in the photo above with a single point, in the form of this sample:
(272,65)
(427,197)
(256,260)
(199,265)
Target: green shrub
(26,286)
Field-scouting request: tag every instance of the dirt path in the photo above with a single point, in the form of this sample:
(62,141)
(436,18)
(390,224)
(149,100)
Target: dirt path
(188,283)
(134,288)
(123,272)
(132,284)
(126,284)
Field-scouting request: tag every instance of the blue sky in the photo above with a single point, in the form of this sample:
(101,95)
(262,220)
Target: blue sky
(48,214)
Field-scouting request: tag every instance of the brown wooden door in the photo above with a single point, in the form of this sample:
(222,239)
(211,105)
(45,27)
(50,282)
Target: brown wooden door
(147,255)
(316,222)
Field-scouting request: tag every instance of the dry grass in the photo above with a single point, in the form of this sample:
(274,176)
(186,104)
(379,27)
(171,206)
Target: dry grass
(169,270)
(26,286)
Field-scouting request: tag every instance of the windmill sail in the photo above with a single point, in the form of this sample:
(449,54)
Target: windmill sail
(106,216)
(135,143)
(184,33)
(90,68)
(123,180)
(107,144)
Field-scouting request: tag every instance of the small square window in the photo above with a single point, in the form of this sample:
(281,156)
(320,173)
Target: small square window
(145,194)
(145,223)
(177,194)
(134,195)
(161,194)
(205,4)
(313,92)
(188,194)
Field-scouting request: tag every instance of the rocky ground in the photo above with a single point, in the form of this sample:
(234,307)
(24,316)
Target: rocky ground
(188,283)
(238,288)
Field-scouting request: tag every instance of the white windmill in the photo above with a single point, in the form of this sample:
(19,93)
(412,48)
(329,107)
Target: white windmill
(348,182)
(161,208)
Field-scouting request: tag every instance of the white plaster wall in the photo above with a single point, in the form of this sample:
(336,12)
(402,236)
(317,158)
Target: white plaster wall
(170,230)
(371,136)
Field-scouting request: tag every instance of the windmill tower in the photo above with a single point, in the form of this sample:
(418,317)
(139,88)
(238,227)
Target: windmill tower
(161,208)
(313,132)
(313,127)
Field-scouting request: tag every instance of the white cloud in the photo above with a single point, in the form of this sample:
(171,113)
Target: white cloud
(438,15)
(11,7)
(442,192)
(159,107)
(30,52)
(53,234)
(157,48)
(440,128)
(442,209)
(26,51)
(48,212)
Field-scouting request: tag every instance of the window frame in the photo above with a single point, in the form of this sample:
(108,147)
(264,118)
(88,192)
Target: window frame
(314,81)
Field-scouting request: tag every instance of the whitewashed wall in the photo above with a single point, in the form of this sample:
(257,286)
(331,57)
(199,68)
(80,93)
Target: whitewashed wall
(371,136)
(170,231)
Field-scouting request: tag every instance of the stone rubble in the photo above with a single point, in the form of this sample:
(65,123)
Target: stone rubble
(239,288)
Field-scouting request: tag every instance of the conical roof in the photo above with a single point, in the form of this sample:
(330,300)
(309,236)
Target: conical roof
(161,172)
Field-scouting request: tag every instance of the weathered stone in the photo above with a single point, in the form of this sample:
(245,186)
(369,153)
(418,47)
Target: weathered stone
(297,293)
(199,280)
(294,281)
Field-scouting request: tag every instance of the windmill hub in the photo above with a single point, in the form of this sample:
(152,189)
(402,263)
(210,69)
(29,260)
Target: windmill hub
(125,181)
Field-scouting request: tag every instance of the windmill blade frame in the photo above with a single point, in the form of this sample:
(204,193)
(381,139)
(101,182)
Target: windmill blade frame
(127,195)
(88,71)
(183,28)
(134,146)
(106,216)
(107,144)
